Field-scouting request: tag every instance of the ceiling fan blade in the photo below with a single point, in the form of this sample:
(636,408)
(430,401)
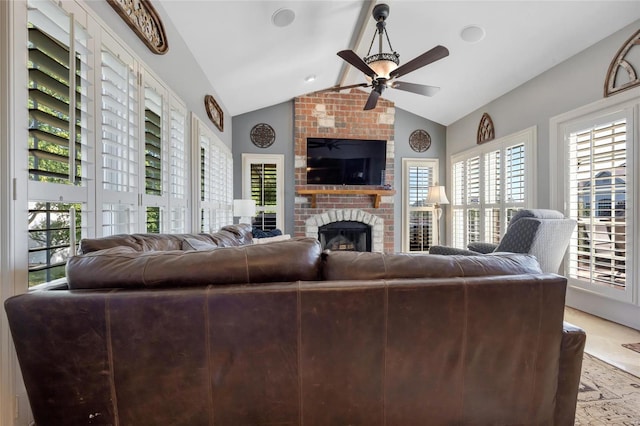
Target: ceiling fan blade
(420,89)
(372,101)
(426,58)
(355,60)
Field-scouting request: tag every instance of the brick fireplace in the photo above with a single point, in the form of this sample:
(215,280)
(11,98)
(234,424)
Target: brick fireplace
(340,115)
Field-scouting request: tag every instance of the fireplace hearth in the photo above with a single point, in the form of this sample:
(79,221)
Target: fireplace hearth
(345,236)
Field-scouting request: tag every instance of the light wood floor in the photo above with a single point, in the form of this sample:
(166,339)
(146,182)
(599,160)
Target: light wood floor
(605,339)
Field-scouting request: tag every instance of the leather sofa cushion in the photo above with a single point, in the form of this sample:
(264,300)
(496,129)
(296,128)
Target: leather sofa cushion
(228,236)
(348,265)
(125,267)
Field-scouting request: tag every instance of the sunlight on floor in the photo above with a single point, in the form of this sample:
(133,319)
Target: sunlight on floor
(605,339)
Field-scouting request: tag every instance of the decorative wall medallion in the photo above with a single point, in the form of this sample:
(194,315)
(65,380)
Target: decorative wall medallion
(621,75)
(420,140)
(263,135)
(143,19)
(486,131)
(214,111)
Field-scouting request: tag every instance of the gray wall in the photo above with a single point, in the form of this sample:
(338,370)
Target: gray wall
(177,68)
(573,83)
(407,122)
(280,117)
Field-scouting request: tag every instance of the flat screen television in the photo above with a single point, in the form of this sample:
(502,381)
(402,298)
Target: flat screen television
(346,161)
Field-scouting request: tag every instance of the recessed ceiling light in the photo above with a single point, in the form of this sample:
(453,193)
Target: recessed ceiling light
(310,78)
(472,33)
(283,17)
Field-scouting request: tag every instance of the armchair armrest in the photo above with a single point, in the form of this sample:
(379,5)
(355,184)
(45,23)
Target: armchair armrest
(483,248)
(451,250)
(571,353)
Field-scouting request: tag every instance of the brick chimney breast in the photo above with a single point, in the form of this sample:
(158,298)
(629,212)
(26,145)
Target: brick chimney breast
(340,115)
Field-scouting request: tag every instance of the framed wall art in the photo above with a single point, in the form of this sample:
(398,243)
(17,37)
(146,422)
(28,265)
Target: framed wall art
(214,112)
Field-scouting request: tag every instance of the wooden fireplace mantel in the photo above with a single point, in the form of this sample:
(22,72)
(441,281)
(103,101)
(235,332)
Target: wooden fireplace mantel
(376,194)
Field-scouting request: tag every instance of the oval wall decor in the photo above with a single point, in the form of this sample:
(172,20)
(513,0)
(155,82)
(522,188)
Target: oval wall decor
(214,112)
(420,140)
(143,19)
(486,131)
(263,135)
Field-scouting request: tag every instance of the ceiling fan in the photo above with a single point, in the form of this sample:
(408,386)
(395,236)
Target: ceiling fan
(381,69)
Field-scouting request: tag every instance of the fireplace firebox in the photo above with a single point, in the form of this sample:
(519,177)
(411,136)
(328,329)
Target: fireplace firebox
(345,236)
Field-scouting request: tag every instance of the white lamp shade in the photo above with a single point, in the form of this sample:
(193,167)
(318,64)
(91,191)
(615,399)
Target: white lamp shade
(437,195)
(244,208)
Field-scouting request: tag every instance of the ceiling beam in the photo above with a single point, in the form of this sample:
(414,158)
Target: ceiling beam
(356,37)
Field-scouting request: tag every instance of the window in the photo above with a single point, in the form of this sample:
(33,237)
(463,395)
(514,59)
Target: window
(58,144)
(215,180)
(106,151)
(490,183)
(598,159)
(178,170)
(263,182)
(119,124)
(418,230)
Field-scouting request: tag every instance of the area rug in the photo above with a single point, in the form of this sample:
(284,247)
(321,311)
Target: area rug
(632,346)
(607,395)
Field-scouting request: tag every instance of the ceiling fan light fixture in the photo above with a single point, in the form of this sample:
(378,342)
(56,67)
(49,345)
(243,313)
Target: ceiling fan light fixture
(383,63)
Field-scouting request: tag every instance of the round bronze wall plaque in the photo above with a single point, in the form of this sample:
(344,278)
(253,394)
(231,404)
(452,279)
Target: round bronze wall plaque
(263,135)
(420,140)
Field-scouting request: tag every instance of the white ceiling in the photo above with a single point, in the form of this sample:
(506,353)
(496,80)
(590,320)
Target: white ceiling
(253,64)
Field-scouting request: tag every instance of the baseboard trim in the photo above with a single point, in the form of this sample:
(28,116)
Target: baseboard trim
(613,310)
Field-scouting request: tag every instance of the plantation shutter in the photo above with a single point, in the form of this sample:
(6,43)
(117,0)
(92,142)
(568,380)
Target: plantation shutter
(514,174)
(264,192)
(206,212)
(598,201)
(489,186)
(459,235)
(492,196)
(216,182)
(119,108)
(178,169)
(420,231)
(58,86)
(59,147)
(473,199)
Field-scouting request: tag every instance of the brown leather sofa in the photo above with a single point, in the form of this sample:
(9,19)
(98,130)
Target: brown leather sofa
(282,334)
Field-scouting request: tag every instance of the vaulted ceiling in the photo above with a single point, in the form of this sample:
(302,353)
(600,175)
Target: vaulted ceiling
(253,63)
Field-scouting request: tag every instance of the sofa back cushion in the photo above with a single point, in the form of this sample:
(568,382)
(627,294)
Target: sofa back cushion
(228,236)
(125,267)
(348,265)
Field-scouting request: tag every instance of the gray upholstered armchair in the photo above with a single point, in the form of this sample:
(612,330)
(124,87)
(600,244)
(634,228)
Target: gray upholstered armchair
(542,233)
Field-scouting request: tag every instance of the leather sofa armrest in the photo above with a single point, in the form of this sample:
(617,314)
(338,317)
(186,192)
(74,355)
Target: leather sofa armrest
(571,353)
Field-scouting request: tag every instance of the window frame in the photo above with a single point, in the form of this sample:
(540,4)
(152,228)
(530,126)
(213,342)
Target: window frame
(625,104)
(460,206)
(407,163)
(278,159)
(219,198)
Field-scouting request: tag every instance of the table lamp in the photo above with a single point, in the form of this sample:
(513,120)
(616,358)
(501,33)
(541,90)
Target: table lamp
(244,209)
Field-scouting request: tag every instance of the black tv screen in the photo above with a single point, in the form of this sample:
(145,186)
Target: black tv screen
(346,161)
